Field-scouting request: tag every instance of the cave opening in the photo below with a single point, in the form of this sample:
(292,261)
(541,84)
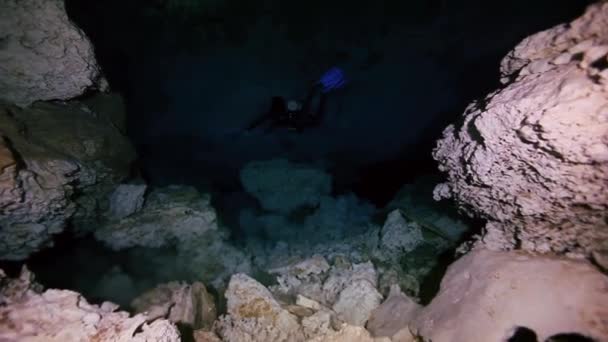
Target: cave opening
(195,75)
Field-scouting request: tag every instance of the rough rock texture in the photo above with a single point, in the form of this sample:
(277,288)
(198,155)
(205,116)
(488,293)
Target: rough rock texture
(486,294)
(179,217)
(58,164)
(532,158)
(187,304)
(169,216)
(61,315)
(43,56)
(393,315)
(399,236)
(126,200)
(282,186)
(356,302)
(254,315)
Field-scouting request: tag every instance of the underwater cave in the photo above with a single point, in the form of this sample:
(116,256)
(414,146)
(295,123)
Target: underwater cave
(236,170)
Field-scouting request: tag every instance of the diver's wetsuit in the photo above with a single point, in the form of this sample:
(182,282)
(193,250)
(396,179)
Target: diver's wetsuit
(280,116)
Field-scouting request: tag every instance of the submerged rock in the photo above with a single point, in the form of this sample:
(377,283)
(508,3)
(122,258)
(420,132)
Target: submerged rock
(60,315)
(44,56)
(181,219)
(186,304)
(126,200)
(532,158)
(399,236)
(170,216)
(282,186)
(393,315)
(58,163)
(485,294)
(254,315)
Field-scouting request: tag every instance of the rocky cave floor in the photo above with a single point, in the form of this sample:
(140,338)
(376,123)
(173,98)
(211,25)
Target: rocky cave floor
(289,259)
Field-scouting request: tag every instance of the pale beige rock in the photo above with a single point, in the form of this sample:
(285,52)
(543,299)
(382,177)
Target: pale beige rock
(349,333)
(61,315)
(307,303)
(356,302)
(187,304)
(485,294)
(205,336)
(393,315)
(254,315)
(43,55)
(317,324)
(532,158)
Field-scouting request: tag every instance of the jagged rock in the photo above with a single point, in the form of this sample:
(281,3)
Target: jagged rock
(399,236)
(393,315)
(317,324)
(174,215)
(315,279)
(282,186)
(43,55)
(254,315)
(187,304)
(126,200)
(61,315)
(532,158)
(59,162)
(356,302)
(179,217)
(485,294)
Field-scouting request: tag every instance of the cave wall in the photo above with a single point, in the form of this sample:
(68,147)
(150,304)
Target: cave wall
(532,157)
(59,160)
(43,56)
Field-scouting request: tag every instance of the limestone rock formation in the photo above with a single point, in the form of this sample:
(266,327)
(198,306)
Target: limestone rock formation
(282,186)
(348,289)
(486,294)
(42,54)
(60,315)
(126,200)
(532,158)
(187,304)
(254,315)
(59,163)
(181,218)
(169,216)
(393,315)
(399,236)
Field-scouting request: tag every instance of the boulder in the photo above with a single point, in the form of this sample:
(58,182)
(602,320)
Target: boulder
(282,186)
(486,294)
(126,200)
(43,54)
(393,315)
(254,315)
(532,157)
(28,314)
(187,304)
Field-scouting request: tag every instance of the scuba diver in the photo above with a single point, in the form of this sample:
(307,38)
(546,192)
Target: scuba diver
(296,116)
